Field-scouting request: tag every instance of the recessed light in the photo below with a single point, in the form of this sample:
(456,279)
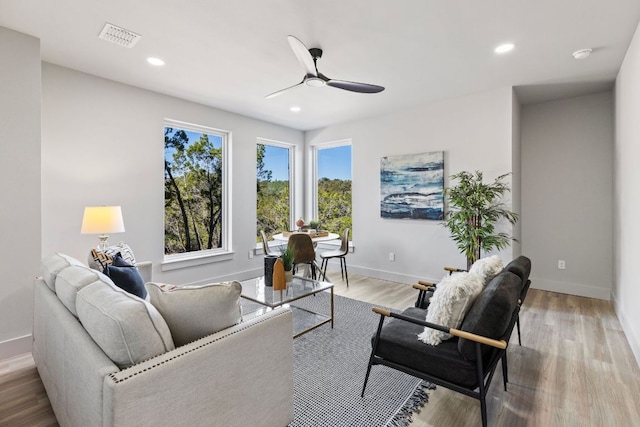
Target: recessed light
(582,53)
(504,48)
(295,109)
(155,61)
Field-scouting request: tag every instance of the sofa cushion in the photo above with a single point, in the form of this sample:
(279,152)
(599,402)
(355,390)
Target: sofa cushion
(450,302)
(71,280)
(126,276)
(127,328)
(491,313)
(99,260)
(193,312)
(54,264)
(398,344)
(487,268)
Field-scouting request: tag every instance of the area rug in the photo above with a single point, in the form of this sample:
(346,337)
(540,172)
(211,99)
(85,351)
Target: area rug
(329,369)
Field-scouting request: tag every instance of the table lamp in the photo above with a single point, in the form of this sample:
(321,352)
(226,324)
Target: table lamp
(102,220)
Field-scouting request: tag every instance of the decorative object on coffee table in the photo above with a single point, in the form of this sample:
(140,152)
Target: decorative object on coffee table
(279,283)
(287,255)
(269,261)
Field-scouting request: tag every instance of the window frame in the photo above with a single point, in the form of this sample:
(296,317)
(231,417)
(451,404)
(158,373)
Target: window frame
(292,185)
(225,252)
(314,167)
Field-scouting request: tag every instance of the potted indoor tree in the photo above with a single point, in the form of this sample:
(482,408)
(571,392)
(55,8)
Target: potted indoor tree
(474,210)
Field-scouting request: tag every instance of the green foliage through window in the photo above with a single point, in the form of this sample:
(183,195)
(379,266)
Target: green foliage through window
(273,188)
(334,188)
(193,190)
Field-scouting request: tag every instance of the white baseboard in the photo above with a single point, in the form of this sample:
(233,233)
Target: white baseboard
(571,288)
(633,336)
(388,275)
(15,346)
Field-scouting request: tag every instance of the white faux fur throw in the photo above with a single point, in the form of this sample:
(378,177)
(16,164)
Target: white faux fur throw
(487,268)
(450,302)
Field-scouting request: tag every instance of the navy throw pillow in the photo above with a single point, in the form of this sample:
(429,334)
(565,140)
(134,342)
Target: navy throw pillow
(126,276)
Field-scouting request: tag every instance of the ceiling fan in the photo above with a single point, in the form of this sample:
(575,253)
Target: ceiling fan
(308,59)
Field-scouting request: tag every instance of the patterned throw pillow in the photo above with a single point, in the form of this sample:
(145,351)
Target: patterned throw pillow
(450,302)
(102,259)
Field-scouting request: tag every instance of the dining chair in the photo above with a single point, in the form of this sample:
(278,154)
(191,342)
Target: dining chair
(304,252)
(265,245)
(338,253)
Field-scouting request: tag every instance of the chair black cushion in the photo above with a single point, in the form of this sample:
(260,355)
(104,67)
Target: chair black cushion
(399,343)
(491,313)
(521,266)
(126,276)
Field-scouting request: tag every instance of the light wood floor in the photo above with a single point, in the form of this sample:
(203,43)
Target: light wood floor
(575,368)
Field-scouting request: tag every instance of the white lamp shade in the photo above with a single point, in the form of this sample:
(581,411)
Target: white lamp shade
(102,220)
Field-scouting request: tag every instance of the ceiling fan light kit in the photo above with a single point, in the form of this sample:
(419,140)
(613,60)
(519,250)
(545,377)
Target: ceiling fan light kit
(308,58)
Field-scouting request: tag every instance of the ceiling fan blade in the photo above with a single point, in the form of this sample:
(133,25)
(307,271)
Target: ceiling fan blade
(303,55)
(355,86)
(281,91)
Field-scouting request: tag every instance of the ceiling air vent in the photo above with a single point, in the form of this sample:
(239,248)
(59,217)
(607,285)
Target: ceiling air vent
(119,36)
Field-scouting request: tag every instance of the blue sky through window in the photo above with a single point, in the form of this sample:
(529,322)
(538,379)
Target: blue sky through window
(335,162)
(276,159)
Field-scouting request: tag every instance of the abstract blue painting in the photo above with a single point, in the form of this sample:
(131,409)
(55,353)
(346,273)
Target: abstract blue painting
(411,186)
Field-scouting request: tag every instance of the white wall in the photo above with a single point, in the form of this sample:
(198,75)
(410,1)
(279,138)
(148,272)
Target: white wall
(103,144)
(475,132)
(19,187)
(626,290)
(567,194)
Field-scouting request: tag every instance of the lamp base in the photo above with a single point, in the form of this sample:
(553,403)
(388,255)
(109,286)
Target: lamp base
(103,242)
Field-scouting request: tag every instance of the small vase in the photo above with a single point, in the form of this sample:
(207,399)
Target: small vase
(288,276)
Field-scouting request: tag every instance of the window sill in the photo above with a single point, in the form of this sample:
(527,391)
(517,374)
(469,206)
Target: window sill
(176,262)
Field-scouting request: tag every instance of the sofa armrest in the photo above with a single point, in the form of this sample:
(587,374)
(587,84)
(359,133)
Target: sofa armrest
(145,269)
(240,376)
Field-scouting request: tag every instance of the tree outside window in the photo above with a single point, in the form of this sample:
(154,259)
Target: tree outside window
(273,195)
(333,171)
(194,189)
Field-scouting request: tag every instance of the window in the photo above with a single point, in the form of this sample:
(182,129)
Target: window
(333,185)
(274,187)
(196,207)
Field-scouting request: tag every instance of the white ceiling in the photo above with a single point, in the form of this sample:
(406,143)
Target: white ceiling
(230,54)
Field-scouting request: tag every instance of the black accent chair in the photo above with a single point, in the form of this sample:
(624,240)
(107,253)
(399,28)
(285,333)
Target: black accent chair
(520,266)
(465,363)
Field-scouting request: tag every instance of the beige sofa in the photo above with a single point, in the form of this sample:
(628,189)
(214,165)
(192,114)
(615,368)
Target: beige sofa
(240,376)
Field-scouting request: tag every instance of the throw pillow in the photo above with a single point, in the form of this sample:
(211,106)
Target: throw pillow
(126,276)
(128,329)
(487,268)
(99,260)
(193,312)
(450,302)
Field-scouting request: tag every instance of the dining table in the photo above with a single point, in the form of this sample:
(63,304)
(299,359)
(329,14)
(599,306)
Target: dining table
(331,236)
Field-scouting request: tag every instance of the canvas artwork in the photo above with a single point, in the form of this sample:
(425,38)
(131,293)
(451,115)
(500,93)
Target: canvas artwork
(411,186)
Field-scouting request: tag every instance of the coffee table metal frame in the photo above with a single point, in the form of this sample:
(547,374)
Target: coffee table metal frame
(255,290)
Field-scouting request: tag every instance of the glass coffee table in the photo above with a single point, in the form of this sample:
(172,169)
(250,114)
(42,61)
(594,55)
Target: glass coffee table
(303,320)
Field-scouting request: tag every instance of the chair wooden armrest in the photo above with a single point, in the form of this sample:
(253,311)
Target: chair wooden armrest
(502,344)
(422,287)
